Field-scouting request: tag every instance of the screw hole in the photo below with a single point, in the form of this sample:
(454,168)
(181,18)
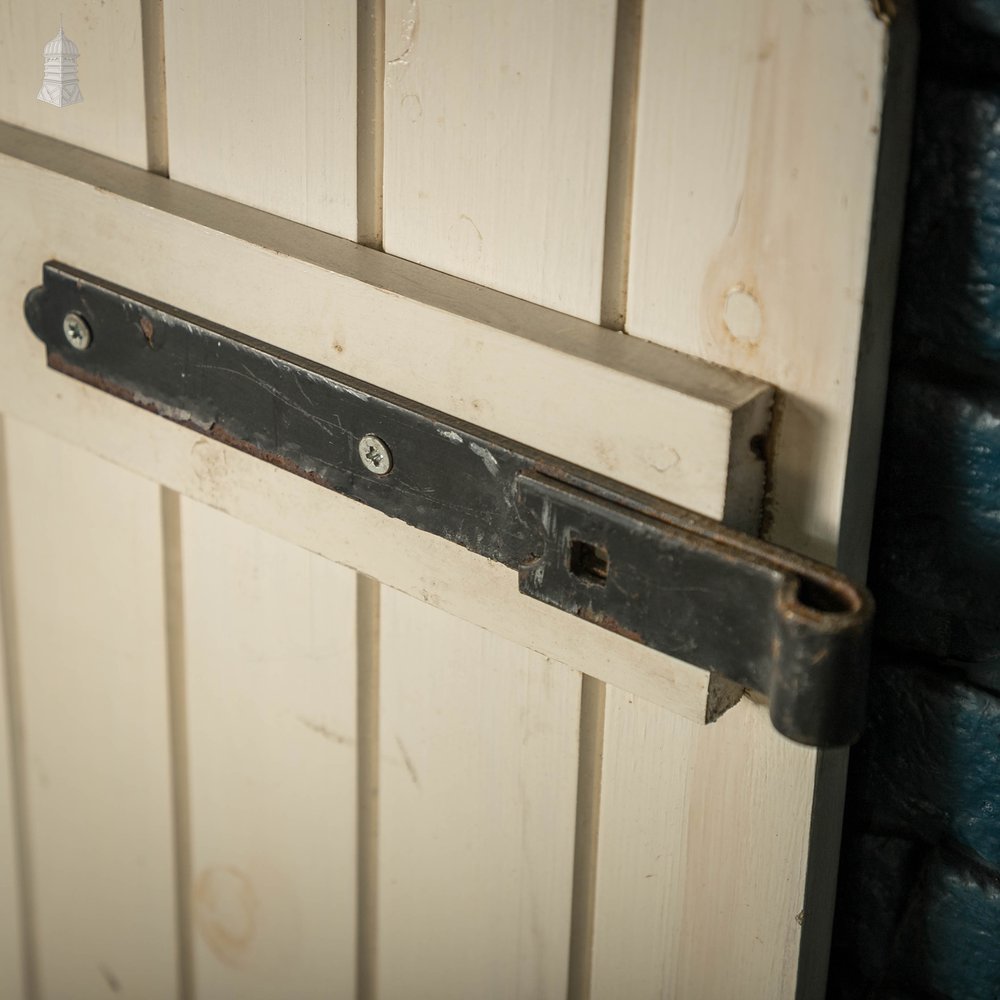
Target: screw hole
(588,561)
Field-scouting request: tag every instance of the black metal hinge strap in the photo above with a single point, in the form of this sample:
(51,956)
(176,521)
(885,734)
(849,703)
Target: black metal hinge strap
(790,628)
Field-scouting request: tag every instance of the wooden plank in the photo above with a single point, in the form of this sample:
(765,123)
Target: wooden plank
(270,706)
(477,790)
(743,109)
(700,884)
(87,560)
(12,939)
(496,375)
(262,110)
(112,117)
(496,143)
(491,173)
(261,102)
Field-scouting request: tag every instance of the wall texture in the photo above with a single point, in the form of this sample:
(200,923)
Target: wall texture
(918,912)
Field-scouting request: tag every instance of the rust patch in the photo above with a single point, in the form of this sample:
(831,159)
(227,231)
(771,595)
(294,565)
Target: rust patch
(225,912)
(146,325)
(606,621)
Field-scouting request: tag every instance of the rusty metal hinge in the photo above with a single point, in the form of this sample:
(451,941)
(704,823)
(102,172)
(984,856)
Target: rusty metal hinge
(773,622)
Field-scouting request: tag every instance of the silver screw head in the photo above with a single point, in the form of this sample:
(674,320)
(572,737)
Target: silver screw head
(375,454)
(77,331)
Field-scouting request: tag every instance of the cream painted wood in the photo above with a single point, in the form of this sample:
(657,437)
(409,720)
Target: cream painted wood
(112,117)
(477,792)
(270,707)
(476,365)
(11,931)
(757,146)
(758,139)
(497,118)
(261,101)
(88,564)
(700,882)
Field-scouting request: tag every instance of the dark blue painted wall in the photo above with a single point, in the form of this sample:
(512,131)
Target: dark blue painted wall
(918,911)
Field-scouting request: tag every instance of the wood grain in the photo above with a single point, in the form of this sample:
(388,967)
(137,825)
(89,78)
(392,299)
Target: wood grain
(756,152)
(261,102)
(112,117)
(497,119)
(270,694)
(477,790)
(87,561)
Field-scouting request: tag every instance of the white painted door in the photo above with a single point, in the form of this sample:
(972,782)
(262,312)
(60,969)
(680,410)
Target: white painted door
(261,741)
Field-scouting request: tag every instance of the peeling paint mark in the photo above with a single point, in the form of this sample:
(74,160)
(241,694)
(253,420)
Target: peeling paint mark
(408,761)
(325,731)
(225,911)
(742,314)
(452,436)
(413,108)
(487,456)
(146,325)
(411,24)
(108,975)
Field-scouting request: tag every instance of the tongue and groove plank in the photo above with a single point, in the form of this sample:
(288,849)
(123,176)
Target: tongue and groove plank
(85,577)
(477,790)
(261,100)
(756,153)
(497,119)
(12,940)
(261,109)
(87,561)
(269,667)
(111,118)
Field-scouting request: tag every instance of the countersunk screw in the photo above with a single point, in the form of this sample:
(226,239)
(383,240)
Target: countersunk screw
(77,331)
(375,454)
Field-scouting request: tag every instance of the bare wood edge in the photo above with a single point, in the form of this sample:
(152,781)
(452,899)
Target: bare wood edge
(899,93)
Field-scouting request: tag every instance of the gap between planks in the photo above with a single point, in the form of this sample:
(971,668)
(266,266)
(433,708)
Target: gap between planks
(10,677)
(621,164)
(368,657)
(614,291)
(370,128)
(154,74)
(173,600)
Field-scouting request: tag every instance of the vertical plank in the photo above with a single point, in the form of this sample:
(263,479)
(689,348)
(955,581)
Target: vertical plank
(702,857)
(12,942)
(478,783)
(261,101)
(270,669)
(497,118)
(87,563)
(112,117)
(261,108)
(757,144)
(756,151)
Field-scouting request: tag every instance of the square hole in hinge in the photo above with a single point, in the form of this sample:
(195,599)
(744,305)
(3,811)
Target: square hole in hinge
(588,561)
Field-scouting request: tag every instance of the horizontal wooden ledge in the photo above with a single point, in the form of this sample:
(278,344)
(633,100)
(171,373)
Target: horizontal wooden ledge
(642,414)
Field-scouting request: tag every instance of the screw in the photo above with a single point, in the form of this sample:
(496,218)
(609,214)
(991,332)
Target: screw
(77,331)
(375,454)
